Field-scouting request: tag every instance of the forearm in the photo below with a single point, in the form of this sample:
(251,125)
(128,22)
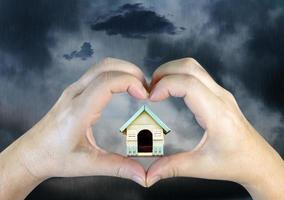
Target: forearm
(270,184)
(16,182)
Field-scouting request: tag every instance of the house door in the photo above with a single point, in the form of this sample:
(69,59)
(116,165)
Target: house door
(145,141)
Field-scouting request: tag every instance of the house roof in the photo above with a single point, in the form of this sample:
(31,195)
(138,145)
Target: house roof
(146,109)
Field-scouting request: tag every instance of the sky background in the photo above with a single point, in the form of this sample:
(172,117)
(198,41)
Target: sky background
(45,45)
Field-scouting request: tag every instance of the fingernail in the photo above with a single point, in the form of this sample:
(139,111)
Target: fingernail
(153,180)
(153,96)
(139,92)
(144,92)
(139,180)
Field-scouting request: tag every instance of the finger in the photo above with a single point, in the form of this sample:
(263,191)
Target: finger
(100,90)
(186,66)
(200,100)
(111,164)
(188,164)
(185,164)
(95,161)
(110,64)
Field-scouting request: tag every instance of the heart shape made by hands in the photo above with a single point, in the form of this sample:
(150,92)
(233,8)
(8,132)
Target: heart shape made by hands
(68,146)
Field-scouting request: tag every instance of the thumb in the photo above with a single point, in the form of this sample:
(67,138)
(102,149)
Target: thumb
(111,164)
(182,164)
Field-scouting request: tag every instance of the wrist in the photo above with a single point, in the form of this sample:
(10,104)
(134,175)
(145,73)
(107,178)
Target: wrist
(268,183)
(16,181)
(29,156)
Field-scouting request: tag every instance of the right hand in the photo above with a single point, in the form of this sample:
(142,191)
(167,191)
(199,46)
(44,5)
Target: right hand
(231,149)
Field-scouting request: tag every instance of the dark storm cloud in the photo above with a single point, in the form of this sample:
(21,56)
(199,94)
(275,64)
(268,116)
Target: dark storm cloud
(5,139)
(278,144)
(134,21)
(262,68)
(12,125)
(26,28)
(26,34)
(84,53)
(161,50)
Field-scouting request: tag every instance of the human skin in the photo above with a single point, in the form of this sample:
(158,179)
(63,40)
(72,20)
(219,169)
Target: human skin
(62,143)
(231,149)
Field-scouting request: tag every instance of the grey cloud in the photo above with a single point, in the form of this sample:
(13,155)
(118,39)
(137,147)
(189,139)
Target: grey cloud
(262,62)
(172,149)
(162,49)
(131,7)
(26,34)
(25,29)
(84,53)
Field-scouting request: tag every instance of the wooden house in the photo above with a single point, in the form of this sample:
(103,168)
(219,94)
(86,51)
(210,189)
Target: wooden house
(144,133)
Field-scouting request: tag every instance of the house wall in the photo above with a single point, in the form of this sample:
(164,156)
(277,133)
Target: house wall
(144,121)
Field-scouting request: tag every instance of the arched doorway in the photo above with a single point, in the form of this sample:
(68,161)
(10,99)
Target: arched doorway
(145,141)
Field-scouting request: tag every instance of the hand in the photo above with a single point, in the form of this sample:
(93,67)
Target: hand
(62,143)
(231,149)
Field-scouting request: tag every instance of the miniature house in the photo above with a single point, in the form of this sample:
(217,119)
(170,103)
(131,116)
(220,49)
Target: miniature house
(144,133)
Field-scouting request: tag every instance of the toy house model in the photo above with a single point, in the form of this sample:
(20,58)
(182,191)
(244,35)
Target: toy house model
(144,133)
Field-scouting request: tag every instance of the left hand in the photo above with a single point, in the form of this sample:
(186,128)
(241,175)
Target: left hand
(62,143)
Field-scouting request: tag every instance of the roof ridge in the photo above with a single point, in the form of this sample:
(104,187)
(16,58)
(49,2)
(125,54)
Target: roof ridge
(145,108)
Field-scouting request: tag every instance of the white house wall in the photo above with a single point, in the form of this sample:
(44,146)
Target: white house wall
(144,121)
(132,140)
(158,147)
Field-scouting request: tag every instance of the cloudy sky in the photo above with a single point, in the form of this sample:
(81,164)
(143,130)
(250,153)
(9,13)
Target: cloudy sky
(45,45)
